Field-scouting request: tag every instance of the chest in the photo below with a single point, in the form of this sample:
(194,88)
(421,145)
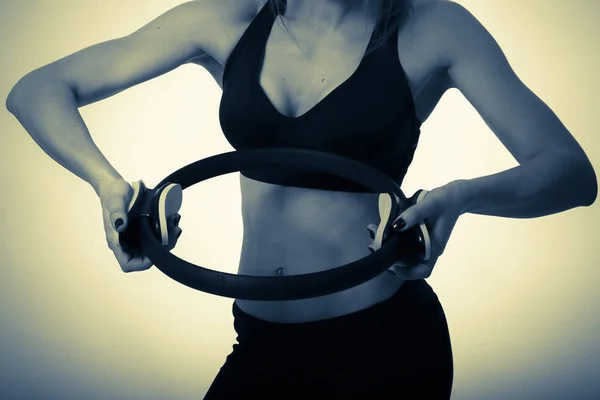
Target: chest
(297,74)
(296,71)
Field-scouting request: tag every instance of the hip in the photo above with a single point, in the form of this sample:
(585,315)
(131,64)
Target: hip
(400,345)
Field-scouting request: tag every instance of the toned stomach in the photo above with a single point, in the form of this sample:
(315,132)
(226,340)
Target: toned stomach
(290,231)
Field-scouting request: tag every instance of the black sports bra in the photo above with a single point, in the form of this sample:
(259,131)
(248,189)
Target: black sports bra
(370,117)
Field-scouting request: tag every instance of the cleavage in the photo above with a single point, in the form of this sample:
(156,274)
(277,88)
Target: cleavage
(295,82)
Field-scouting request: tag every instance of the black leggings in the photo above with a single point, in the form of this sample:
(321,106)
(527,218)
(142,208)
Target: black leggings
(396,349)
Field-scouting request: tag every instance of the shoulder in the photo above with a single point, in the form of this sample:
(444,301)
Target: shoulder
(216,25)
(451,30)
(443,17)
(209,22)
(222,9)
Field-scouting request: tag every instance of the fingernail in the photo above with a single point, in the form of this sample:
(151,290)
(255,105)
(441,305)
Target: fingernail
(399,224)
(119,222)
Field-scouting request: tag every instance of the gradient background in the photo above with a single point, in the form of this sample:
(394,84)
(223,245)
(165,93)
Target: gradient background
(521,296)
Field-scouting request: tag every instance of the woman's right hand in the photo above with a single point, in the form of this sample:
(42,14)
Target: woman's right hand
(115,197)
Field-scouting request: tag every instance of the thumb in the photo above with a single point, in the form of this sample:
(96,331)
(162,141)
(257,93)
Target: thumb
(117,213)
(116,204)
(414,214)
(409,218)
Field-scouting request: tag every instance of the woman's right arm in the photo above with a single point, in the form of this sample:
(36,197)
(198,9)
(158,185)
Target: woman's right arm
(46,100)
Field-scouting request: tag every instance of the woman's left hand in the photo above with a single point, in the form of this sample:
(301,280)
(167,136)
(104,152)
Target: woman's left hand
(440,209)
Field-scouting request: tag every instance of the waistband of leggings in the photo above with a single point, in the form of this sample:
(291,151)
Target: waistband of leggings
(246,324)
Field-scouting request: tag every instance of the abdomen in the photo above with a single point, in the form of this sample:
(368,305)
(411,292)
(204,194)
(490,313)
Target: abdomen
(297,231)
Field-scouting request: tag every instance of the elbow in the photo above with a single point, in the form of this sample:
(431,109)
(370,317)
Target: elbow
(11,100)
(15,99)
(583,182)
(591,191)
(25,91)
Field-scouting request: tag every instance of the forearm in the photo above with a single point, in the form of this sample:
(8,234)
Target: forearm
(48,111)
(544,185)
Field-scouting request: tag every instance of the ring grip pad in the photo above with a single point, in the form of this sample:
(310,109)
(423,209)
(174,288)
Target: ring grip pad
(415,246)
(143,205)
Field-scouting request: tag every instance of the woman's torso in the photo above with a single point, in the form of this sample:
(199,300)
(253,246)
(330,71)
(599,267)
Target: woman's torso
(295,230)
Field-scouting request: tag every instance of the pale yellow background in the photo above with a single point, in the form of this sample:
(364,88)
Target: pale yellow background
(521,296)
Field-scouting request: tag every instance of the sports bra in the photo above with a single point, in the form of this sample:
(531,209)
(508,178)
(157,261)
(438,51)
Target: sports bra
(370,117)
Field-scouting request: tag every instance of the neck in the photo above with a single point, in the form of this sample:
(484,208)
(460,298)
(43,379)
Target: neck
(326,14)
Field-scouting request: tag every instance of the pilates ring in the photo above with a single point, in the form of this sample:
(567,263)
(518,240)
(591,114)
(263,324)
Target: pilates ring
(146,231)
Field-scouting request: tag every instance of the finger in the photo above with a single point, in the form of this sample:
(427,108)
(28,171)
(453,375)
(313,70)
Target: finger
(408,218)
(122,254)
(173,221)
(117,212)
(116,199)
(112,236)
(123,257)
(129,261)
(394,268)
(173,237)
(173,228)
(414,214)
(141,263)
(372,228)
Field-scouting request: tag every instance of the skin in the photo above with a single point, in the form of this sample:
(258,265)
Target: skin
(441,46)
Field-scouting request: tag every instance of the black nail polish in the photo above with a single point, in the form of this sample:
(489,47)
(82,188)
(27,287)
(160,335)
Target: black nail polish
(399,224)
(119,222)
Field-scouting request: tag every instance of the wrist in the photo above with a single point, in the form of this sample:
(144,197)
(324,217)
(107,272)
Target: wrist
(461,195)
(102,182)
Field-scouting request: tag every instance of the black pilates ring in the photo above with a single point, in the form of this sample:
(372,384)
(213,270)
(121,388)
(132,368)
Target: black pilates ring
(408,246)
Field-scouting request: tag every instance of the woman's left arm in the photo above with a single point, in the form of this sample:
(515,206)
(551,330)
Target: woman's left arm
(554,174)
